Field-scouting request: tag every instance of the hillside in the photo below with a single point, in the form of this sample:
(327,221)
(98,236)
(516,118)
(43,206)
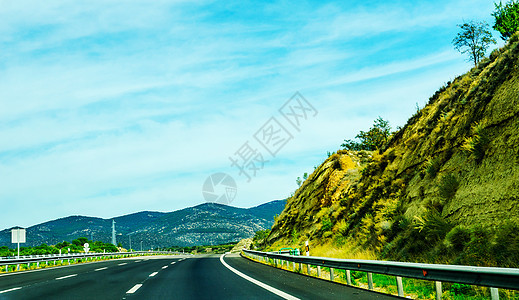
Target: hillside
(205,224)
(445,188)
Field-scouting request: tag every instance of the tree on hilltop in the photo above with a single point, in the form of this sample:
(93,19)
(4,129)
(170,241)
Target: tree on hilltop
(507,18)
(375,138)
(473,39)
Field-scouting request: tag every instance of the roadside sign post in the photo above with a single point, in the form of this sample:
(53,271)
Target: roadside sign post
(86,247)
(18,236)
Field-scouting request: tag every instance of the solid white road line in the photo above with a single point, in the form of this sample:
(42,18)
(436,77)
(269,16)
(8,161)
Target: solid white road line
(258,283)
(164,267)
(101,269)
(134,289)
(68,276)
(122,264)
(153,274)
(10,290)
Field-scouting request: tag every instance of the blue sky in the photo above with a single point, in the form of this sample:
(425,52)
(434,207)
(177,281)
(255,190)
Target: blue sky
(109,108)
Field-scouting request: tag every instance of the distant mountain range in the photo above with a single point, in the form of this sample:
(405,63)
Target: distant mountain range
(204,224)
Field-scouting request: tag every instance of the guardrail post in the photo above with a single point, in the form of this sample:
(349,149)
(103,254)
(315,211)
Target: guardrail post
(494,293)
(293,266)
(18,267)
(308,269)
(348,277)
(370,281)
(331,274)
(319,271)
(439,292)
(400,286)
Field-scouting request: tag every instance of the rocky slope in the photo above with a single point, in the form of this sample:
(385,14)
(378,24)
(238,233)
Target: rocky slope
(444,189)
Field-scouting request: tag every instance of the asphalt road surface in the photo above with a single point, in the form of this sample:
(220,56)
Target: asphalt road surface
(173,277)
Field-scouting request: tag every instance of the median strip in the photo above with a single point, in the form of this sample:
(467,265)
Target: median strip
(64,277)
(10,290)
(134,289)
(258,283)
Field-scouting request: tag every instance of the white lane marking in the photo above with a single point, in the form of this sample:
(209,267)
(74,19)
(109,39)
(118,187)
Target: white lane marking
(68,276)
(122,264)
(164,267)
(134,289)
(139,261)
(257,282)
(10,290)
(153,274)
(173,263)
(101,269)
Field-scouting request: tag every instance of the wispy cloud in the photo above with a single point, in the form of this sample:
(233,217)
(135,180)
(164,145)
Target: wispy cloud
(109,108)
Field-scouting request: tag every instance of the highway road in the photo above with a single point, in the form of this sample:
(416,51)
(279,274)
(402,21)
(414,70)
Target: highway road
(173,277)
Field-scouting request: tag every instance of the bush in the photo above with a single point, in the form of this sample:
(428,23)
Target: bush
(448,186)
(478,252)
(477,144)
(460,289)
(433,226)
(457,238)
(326,224)
(432,166)
(506,246)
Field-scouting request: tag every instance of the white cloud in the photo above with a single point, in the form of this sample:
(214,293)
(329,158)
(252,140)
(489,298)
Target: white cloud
(109,108)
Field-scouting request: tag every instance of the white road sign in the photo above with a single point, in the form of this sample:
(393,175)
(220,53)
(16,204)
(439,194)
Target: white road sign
(18,235)
(86,247)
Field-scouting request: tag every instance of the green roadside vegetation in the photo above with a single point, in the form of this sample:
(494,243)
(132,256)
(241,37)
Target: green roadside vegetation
(76,246)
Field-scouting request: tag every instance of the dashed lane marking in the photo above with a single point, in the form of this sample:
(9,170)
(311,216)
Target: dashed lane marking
(134,288)
(153,274)
(101,269)
(64,277)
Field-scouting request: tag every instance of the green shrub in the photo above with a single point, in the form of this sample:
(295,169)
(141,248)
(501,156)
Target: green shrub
(326,224)
(477,144)
(461,289)
(478,252)
(458,237)
(506,245)
(433,226)
(448,186)
(432,166)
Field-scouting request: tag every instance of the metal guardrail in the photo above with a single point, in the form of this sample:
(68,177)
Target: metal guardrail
(506,278)
(37,259)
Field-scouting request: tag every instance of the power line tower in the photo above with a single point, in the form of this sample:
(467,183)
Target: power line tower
(113,233)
